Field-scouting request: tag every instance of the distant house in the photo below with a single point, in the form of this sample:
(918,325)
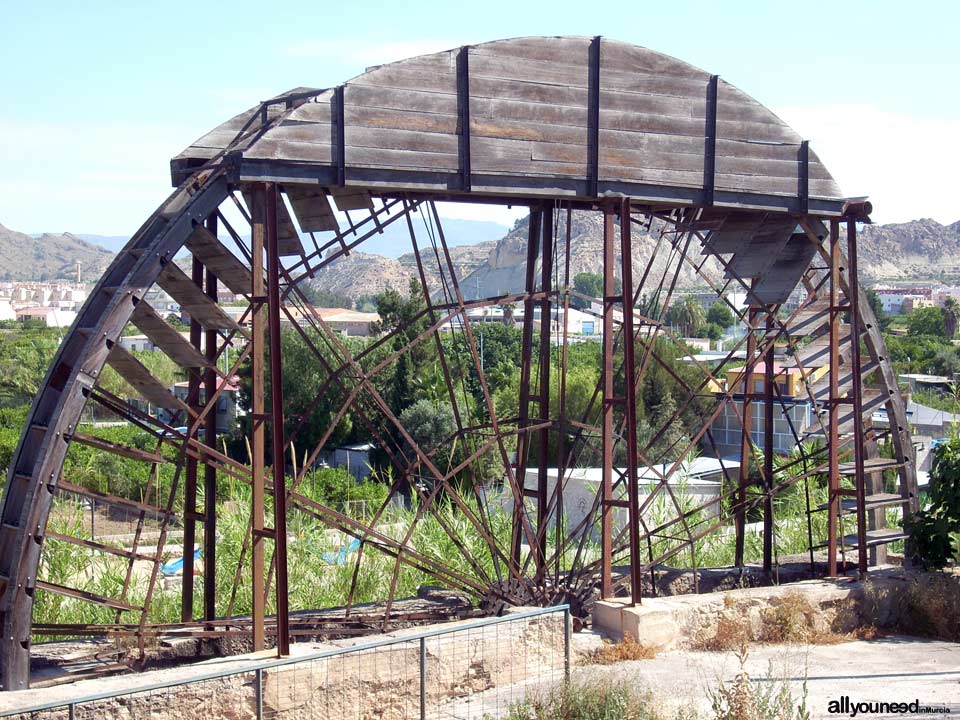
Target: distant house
(136,343)
(700,480)
(793,411)
(927,425)
(227,403)
(919,381)
(50,316)
(6,311)
(351,323)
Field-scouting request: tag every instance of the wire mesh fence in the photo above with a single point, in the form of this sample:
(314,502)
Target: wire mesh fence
(469,670)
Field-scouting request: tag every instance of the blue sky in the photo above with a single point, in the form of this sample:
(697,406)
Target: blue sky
(98,96)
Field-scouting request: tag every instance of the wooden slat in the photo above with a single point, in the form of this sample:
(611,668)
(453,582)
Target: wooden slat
(401,119)
(776,285)
(215,257)
(142,380)
(412,159)
(165,337)
(201,308)
(489,155)
(762,251)
(312,209)
(398,139)
(386,97)
(557,50)
(352,198)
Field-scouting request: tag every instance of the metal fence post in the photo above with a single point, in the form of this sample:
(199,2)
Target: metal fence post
(259,689)
(423,678)
(566,644)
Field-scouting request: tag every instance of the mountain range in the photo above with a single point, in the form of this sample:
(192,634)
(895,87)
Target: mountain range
(489,258)
(49,256)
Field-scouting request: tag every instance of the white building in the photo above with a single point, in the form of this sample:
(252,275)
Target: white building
(696,482)
(50,316)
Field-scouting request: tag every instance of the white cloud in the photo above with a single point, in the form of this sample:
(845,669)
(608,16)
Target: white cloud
(906,164)
(365,52)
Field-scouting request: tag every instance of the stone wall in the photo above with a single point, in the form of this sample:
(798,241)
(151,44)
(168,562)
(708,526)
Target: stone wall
(819,607)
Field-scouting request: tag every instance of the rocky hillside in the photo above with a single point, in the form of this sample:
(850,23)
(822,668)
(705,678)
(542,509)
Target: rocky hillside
(911,250)
(48,257)
(496,267)
(505,267)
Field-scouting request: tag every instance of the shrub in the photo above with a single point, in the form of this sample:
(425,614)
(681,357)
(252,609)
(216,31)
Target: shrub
(628,649)
(933,530)
(744,699)
(588,701)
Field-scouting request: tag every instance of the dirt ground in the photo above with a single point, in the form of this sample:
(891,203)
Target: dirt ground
(896,668)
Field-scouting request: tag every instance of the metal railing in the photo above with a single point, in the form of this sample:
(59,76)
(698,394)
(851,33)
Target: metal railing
(470,670)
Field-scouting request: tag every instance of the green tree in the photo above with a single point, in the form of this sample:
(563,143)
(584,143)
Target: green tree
(688,315)
(712,331)
(588,283)
(951,314)
(404,319)
(927,321)
(934,530)
(720,314)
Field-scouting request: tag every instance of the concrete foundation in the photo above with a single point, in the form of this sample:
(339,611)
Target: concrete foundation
(685,621)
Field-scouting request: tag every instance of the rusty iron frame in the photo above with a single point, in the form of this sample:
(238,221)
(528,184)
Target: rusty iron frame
(529,570)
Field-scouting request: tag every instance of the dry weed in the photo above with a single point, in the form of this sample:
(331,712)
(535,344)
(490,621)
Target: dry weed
(628,649)
(793,619)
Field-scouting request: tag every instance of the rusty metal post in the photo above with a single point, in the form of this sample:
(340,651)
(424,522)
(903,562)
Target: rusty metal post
(257,298)
(853,296)
(543,392)
(769,378)
(833,457)
(190,469)
(211,342)
(523,440)
(746,440)
(606,512)
(276,421)
(630,399)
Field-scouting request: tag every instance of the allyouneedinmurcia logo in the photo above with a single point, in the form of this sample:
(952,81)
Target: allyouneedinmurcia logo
(853,708)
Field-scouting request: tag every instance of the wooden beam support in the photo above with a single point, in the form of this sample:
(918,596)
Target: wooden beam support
(463,116)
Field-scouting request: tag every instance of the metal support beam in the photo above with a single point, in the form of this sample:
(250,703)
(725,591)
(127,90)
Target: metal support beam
(211,342)
(276,421)
(523,441)
(543,390)
(606,490)
(769,378)
(630,399)
(190,470)
(853,293)
(833,432)
(740,512)
(257,297)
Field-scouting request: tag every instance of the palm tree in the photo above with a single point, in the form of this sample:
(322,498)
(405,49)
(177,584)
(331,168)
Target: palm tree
(688,315)
(951,315)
